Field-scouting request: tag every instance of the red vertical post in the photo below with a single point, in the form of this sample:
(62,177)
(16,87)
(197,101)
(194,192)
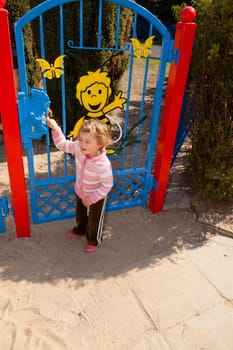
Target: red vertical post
(11,131)
(177,78)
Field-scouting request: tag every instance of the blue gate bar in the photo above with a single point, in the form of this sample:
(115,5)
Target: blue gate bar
(4,211)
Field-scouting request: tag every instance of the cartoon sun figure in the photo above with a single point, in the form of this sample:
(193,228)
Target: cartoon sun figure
(93,92)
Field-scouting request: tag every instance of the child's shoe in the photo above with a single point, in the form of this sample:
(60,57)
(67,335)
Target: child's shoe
(90,248)
(72,234)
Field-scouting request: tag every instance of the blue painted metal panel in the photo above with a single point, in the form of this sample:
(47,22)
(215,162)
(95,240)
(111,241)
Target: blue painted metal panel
(52,197)
(4,211)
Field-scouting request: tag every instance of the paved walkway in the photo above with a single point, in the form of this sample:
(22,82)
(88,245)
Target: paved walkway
(159,282)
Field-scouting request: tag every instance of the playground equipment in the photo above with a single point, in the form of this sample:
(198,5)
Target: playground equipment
(135,181)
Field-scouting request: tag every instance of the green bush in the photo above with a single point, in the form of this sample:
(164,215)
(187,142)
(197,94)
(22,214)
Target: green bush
(211,100)
(17,10)
(162,9)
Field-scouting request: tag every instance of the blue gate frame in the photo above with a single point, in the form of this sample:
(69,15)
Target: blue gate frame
(52,196)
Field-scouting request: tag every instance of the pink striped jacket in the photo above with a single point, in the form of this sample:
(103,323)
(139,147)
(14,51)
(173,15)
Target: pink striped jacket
(94,178)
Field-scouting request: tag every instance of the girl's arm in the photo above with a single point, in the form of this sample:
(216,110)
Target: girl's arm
(59,139)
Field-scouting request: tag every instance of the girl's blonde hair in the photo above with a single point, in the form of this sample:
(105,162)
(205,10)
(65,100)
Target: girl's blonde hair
(98,130)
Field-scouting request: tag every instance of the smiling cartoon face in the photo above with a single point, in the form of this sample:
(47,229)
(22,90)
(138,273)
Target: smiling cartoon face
(95,97)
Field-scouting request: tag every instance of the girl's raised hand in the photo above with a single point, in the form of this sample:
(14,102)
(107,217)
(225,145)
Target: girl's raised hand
(52,123)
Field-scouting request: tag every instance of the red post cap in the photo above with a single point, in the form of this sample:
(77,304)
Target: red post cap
(2,3)
(188,14)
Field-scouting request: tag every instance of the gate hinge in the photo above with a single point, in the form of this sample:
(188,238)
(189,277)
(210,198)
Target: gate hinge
(173,54)
(4,212)
(33,110)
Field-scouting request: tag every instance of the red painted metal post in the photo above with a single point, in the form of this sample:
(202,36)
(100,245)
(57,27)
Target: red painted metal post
(11,131)
(184,38)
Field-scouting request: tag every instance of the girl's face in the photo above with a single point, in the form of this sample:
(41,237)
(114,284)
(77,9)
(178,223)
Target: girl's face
(88,144)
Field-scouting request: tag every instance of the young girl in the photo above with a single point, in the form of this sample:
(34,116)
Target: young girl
(94,178)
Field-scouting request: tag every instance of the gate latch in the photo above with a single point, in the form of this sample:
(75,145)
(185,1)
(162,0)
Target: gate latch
(33,110)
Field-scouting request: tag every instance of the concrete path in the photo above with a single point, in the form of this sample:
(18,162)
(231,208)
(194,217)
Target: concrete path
(162,284)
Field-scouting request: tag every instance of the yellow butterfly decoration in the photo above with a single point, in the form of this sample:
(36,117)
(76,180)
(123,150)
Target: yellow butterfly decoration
(54,70)
(142,50)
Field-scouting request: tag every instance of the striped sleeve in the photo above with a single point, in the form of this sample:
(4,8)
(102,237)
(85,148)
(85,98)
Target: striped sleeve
(62,143)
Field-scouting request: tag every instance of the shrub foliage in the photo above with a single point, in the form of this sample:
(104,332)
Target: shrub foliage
(211,97)
(16,10)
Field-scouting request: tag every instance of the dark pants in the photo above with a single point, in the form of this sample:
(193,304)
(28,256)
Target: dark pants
(89,221)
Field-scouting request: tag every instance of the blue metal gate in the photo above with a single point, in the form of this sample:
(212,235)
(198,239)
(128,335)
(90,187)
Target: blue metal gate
(52,194)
